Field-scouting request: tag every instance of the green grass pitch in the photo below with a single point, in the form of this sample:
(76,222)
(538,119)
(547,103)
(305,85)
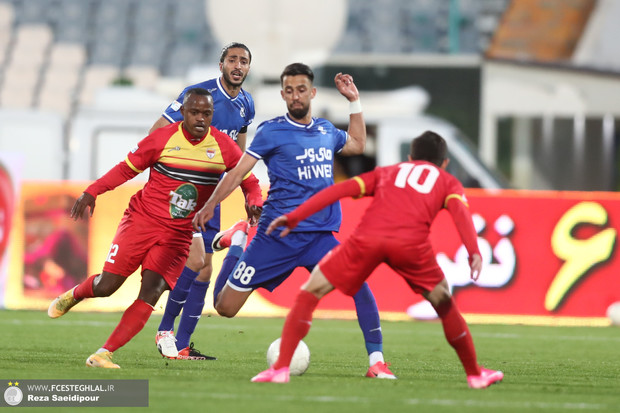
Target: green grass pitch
(548,369)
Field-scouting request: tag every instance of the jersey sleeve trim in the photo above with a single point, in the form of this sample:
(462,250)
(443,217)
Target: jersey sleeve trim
(168,118)
(362,185)
(131,165)
(457,197)
(253,154)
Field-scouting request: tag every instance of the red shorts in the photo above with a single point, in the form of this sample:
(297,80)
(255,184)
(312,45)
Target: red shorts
(143,241)
(348,265)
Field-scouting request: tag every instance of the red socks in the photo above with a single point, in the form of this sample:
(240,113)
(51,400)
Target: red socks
(458,336)
(85,289)
(296,327)
(133,320)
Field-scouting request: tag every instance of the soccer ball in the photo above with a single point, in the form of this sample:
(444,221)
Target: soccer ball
(613,312)
(300,361)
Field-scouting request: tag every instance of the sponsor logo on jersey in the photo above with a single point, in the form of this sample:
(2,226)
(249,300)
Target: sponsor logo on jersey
(212,90)
(322,130)
(176,148)
(175,105)
(183,201)
(210,153)
(315,163)
(134,149)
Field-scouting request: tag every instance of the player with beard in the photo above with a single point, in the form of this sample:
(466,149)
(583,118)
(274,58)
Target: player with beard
(299,151)
(233,112)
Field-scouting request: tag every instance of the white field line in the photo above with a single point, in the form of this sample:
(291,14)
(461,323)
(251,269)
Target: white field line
(364,401)
(235,326)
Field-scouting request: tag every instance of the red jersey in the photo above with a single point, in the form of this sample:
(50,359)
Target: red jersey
(406,199)
(184,173)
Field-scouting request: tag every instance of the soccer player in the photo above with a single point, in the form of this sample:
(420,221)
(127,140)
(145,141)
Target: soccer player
(233,112)
(186,160)
(298,150)
(394,230)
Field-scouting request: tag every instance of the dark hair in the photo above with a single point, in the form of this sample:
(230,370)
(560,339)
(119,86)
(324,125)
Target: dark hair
(295,69)
(196,91)
(233,45)
(430,147)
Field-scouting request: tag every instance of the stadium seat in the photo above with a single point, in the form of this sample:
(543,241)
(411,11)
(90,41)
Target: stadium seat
(96,77)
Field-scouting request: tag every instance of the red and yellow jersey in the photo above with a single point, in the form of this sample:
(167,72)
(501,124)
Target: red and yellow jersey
(184,172)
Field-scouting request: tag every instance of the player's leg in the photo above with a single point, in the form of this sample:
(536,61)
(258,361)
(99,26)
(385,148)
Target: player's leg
(192,311)
(98,285)
(365,304)
(124,257)
(454,326)
(178,295)
(133,320)
(459,337)
(370,324)
(296,326)
(189,294)
(229,301)
(299,319)
(267,262)
(238,235)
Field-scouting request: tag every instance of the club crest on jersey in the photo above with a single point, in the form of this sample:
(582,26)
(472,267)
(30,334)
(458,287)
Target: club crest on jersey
(242,112)
(210,153)
(183,200)
(322,130)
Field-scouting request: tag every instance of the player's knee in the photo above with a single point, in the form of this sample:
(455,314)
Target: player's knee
(225,310)
(105,284)
(195,262)
(205,273)
(440,296)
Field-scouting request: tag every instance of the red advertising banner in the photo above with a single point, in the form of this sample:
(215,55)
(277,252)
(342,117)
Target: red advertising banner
(549,257)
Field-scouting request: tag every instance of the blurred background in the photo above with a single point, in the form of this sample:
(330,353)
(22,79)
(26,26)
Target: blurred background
(526,91)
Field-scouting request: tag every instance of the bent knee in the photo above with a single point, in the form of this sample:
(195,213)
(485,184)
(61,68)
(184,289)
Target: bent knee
(195,262)
(226,311)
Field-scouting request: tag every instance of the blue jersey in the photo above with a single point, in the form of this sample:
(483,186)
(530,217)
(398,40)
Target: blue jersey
(299,161)
(231,116)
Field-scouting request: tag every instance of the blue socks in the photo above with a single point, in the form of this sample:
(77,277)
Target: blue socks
(228,265)
(191,313)
(176,299)
(368,318)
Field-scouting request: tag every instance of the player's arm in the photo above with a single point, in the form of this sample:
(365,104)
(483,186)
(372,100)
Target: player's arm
(229,182)
(162,121)
(357,127)
(116,176)
(242,138)
(253,197)
(459,210)
(354,187)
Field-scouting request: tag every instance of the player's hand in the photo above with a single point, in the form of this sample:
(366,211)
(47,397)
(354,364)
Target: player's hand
(202,217)
(281,221)
(85,200)
(346,87)
(475,263)
(254,212)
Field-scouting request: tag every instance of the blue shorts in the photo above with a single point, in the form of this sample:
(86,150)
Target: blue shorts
(269,259)
(213,227)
